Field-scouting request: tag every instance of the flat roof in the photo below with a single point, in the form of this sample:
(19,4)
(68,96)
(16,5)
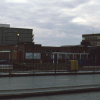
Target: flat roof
(72,46)
(16,28)
(93,34)
(67,53)
(5,25)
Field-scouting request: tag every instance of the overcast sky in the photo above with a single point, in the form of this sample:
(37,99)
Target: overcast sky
(54,22)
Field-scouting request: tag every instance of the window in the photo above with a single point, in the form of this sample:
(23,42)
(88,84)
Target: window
(37,55)
(83,38)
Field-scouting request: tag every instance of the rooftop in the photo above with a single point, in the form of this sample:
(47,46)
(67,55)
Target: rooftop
(93,34)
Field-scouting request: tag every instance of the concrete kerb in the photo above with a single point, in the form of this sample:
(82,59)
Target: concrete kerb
(40,75)
(51,91)
(48,74)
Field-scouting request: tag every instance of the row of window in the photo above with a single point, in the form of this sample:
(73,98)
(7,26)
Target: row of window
(16,38)
(10,42)
(91,38)
(20,34)
(63,56)
(18,30)
(20,40)
(95,43)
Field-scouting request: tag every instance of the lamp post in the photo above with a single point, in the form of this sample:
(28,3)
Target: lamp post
(17,47)
(18,37)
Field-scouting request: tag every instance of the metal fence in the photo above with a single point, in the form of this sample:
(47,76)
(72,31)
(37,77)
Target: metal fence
(83,65)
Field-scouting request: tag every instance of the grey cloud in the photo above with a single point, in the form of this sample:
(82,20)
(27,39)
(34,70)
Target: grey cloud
(46,25)
(58,41)
(70,4)
(51,26)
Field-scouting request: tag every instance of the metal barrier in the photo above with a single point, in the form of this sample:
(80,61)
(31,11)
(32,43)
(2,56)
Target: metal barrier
(31,66)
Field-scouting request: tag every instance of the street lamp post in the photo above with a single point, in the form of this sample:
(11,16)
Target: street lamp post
(17,47)
(18,37)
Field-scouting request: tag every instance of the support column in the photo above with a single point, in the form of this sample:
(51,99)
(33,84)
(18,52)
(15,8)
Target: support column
(9,56)
(95,58)
(73,55)
(87,56)
(65,58)
(57,57)
(80,56)
(53,58)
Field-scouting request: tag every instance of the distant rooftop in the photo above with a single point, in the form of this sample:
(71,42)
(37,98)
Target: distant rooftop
(71,45)
(5,25)
(93,34)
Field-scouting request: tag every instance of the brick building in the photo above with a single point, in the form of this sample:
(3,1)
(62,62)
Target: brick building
(30,52)
(16,46)
(91,39)
(63,53)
